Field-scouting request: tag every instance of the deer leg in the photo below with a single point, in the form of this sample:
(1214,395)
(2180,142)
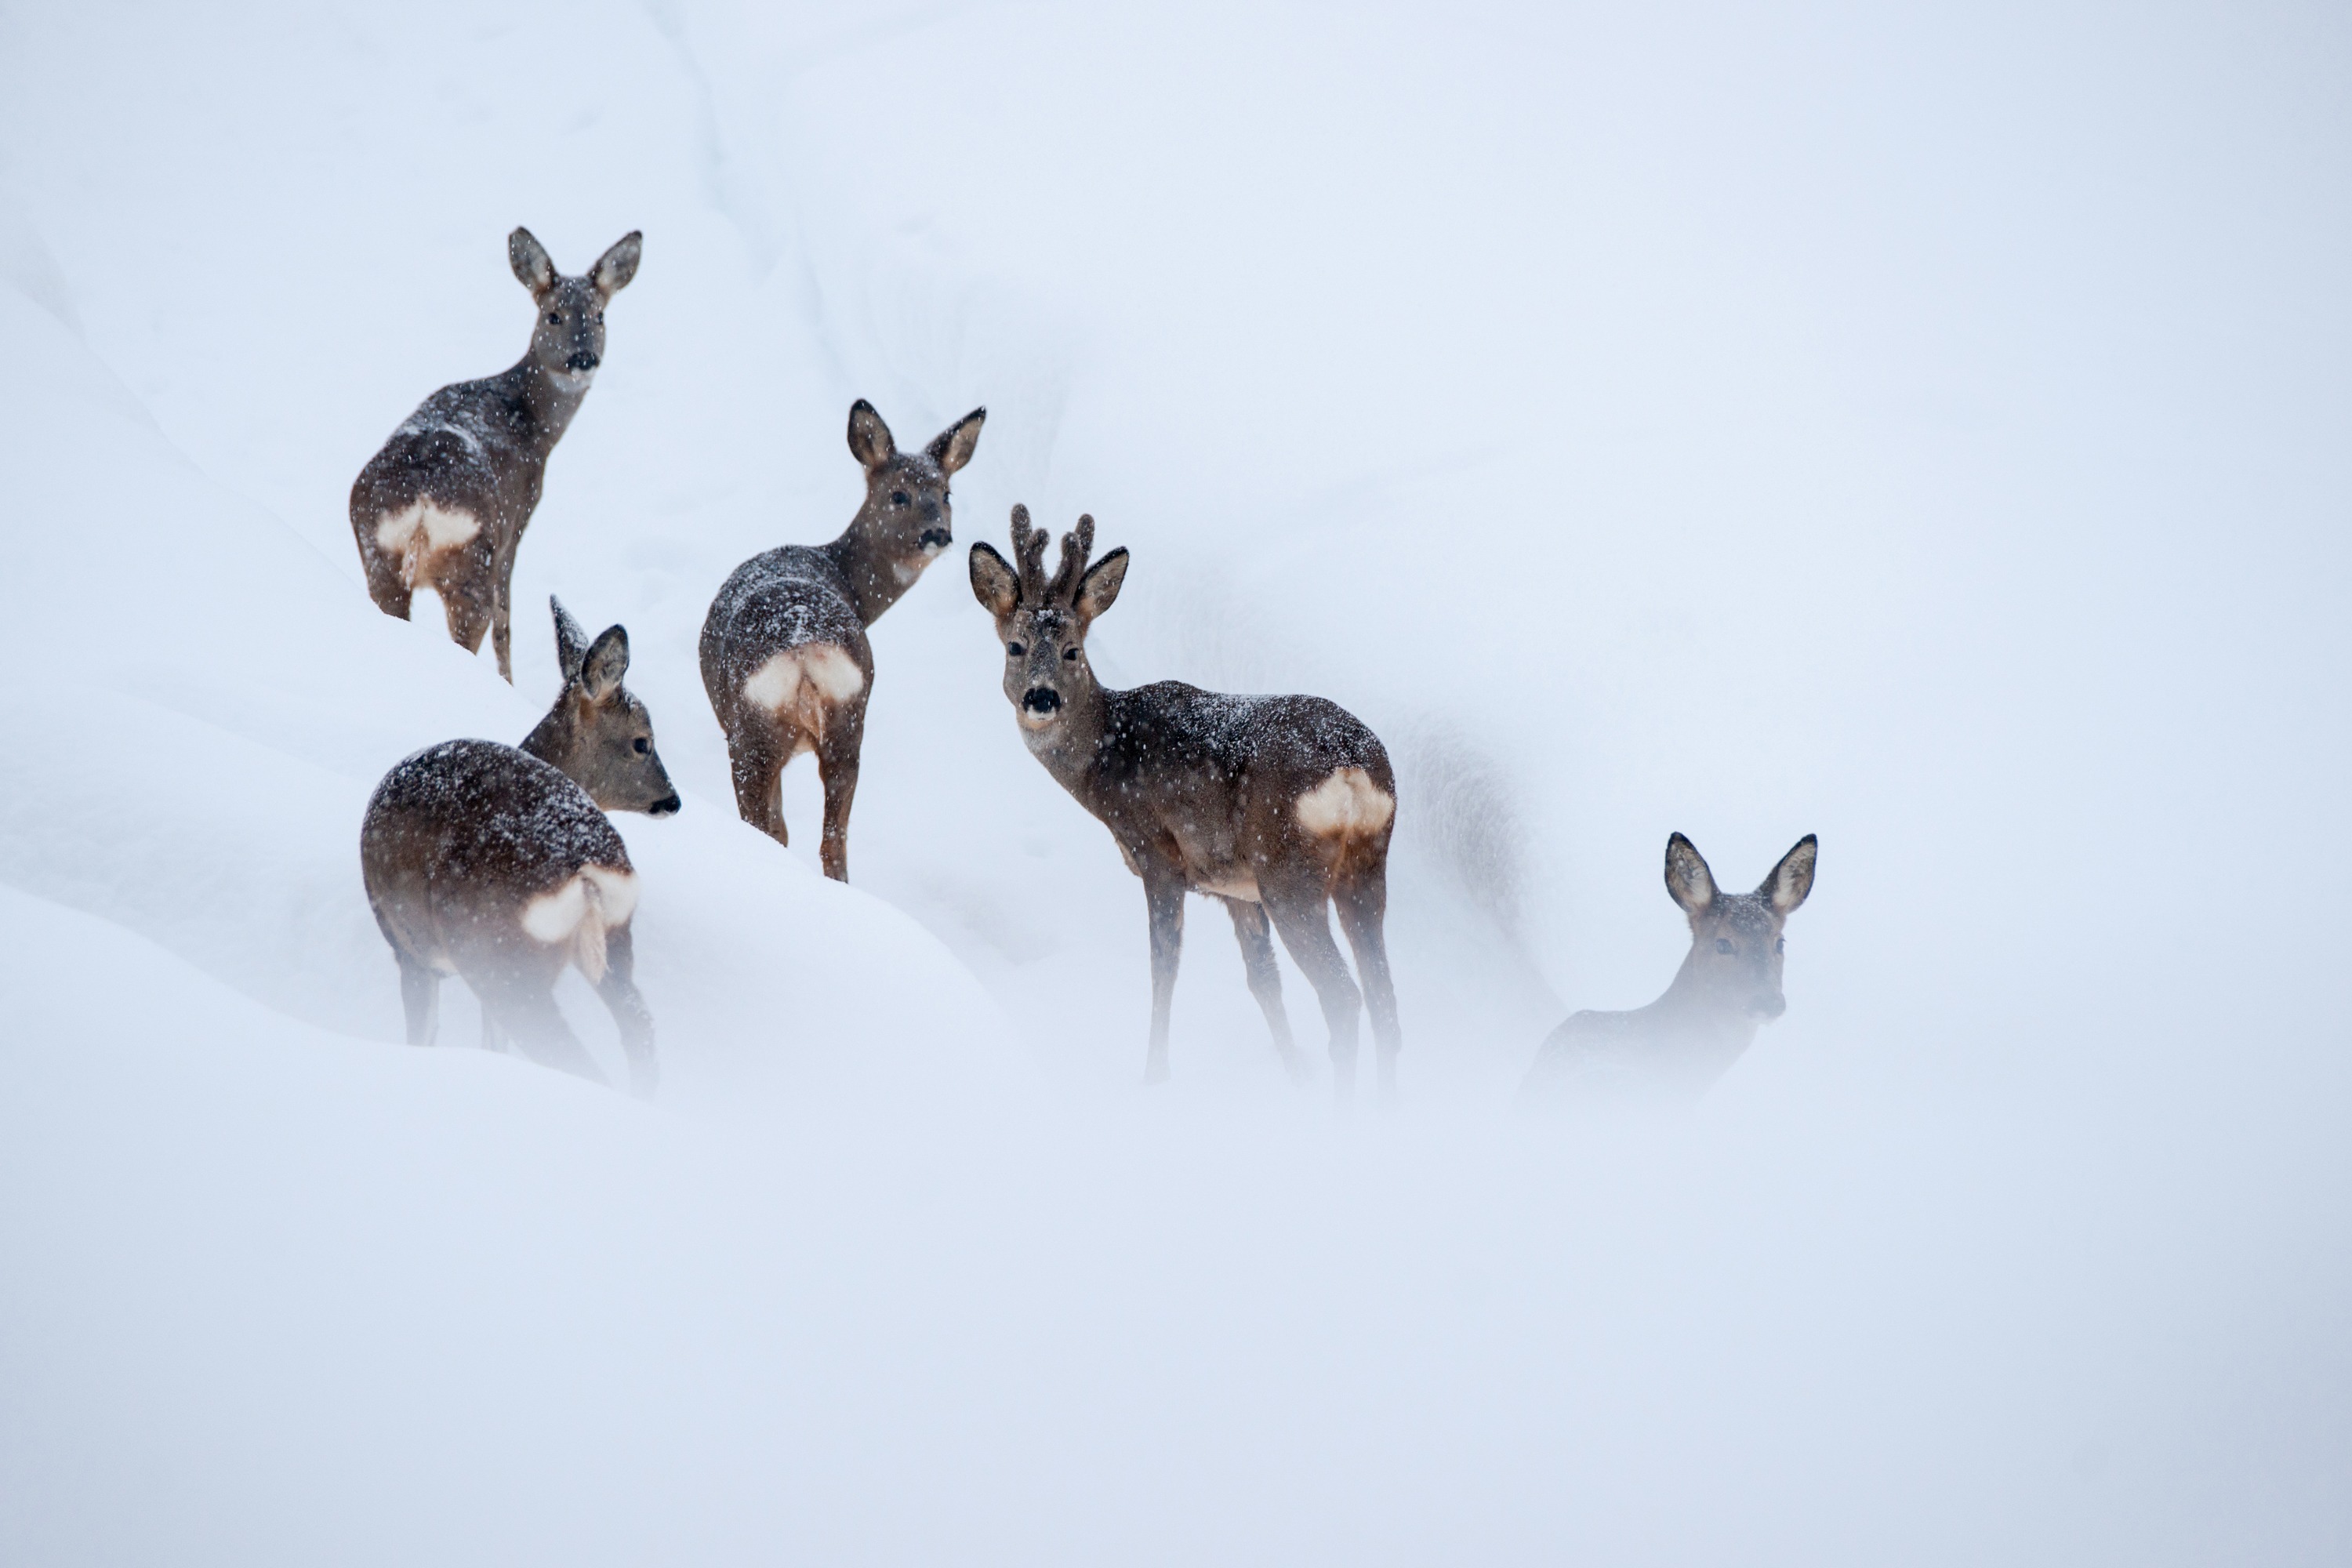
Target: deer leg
(384,585)
(468,617)
(501,634)
(420,999)
(1363,899)
(1163,892)
(837,762)
(1296,906)
(525,1005)
(1250,929)
(619,990)
(494,1039)
(757,761)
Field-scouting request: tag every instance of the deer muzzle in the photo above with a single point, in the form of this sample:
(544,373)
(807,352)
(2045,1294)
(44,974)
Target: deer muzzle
(1042,700)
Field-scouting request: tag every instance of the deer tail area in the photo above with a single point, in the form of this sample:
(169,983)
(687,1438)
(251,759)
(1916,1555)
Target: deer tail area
(598,899)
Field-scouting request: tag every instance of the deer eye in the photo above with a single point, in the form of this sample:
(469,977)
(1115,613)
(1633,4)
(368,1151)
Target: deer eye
(555,318)
(600,318)
(898,498)
(642,744)
(1723,944)
(1015,650)
(1779,944)
(1071,653)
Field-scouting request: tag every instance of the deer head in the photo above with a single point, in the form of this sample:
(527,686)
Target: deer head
(1043,622)
(597,733)
(907,520)
(1735,942)
(569,341)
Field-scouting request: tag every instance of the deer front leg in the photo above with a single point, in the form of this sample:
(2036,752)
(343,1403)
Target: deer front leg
(1363,899)
(420,999)
(1163,893)
(1250,929)
(619,991)
(501,590)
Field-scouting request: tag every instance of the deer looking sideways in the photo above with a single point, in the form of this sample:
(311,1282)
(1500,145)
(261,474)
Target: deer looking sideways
(1277,806)
(444,504)
(496,863)
(1729,986)
(784,655)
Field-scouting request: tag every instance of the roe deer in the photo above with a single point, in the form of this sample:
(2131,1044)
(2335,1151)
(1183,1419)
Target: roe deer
(784,655)
(444,504)
(496,863)
(1275,806)
(1729,985)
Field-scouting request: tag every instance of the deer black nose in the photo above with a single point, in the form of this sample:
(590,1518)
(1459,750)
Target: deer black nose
(583,360)
(1769,1008)
(668,805)
(937,538)
(1041,699)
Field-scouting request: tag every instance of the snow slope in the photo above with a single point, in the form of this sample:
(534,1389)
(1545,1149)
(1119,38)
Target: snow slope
(1925,433)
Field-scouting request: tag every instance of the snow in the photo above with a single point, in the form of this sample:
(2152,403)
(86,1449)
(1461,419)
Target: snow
(1922,430)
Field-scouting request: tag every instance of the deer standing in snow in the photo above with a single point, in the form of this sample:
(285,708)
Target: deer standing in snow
(444,504)
(496,863)
(784,655)
(1729,986)
(1277,806)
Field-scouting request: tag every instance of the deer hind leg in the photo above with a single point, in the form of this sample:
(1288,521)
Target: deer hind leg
(1298,907)
(1363,899)
(837,762)
(386,584)
(501,634)
(1257,938)
(420,999)
(756,755)
(525,1005)
(619,990)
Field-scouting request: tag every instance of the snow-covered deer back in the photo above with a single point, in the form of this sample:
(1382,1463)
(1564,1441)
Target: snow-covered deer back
(1278,806)
(444,504)
(1727,987)
(496,863)
(785,659)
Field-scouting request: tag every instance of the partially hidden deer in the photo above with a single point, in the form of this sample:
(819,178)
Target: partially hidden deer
(784,654)
(497,864)
(1728,987)
(1278,807)
(443,505)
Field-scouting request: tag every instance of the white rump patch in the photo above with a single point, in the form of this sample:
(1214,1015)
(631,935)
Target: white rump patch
(794,682)
(421,530)
(1348,805)
(600,899)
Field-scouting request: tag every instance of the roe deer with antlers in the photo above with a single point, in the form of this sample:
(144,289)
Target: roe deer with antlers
(444,504)
(1277,806)
(496,863)
(1729,986)
(784,655)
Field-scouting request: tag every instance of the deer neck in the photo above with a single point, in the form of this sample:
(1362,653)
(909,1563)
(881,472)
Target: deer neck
(1691,1006)
(876,581)
(1069,748)
(553,739)
(550,400)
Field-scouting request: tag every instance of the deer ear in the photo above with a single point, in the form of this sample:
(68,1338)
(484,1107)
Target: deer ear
(1098,589)
(607,660)
(617,266)
(994,582)
(571,642)
(1687,878)
(951,447)
(1792,878)
(870,438)
(533,267)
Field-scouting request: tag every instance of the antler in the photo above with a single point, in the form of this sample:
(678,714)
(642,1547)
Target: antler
(1076,548)
(1029,556)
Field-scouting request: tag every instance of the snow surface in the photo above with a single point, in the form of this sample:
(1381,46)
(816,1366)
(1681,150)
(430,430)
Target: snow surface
(1925,430)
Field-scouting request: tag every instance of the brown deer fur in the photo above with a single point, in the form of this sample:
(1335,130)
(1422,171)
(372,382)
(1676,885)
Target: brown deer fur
(1277,806)
(784,654)
(496,863)
(444,504)
(1730,986)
